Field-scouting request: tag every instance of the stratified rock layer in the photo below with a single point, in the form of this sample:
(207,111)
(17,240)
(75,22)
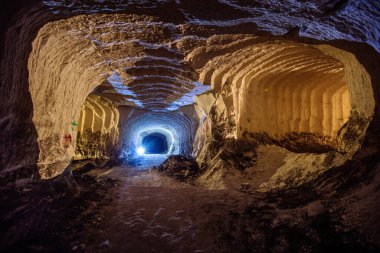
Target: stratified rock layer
(98,130)
(308,99)
(293,111)
(273,74)
(284,88)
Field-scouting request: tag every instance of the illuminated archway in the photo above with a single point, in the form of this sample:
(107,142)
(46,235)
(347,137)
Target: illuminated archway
(156,141)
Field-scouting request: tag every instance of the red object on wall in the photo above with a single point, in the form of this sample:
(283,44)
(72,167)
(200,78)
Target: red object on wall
(67,139)
(206,126)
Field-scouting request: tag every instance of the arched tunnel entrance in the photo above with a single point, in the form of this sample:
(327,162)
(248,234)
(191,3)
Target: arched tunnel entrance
(155,143)
(190,120)
(307,98)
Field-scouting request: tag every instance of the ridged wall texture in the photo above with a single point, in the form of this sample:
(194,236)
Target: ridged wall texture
(292,67)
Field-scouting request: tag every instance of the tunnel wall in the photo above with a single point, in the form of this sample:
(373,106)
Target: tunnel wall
(281,89)
(281,101)
(19,148)
(97,130)
(250,102)
(62,73)
(22,20)
(181,124)
(72,57)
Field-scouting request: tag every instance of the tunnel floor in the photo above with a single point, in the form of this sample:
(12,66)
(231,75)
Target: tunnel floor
(149,212)
(136,209)
(146,161)
(154,213)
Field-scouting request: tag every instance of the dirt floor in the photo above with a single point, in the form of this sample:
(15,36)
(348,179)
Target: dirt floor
(136,209)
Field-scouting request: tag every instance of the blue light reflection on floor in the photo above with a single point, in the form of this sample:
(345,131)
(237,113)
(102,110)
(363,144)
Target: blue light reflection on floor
(147,161)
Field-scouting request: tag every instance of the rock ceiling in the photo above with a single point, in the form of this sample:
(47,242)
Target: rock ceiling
(323,20)
(157,55)
(140,59)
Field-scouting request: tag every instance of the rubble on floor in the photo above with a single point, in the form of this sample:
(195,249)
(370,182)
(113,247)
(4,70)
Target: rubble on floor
(45,216)
(182,168)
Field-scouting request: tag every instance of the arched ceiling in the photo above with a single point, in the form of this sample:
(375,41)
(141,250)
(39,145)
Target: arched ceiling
(138,60)
(156,56)
(142,56)
(139,53)
(353,20)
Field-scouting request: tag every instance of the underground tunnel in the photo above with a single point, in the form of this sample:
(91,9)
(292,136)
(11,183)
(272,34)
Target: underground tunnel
(178,126)
(154,143)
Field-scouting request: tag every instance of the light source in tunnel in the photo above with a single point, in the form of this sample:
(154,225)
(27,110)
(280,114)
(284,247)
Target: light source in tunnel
(141,151)
(155,143)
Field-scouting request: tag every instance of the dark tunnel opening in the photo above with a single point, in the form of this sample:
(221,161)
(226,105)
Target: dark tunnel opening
(155,143)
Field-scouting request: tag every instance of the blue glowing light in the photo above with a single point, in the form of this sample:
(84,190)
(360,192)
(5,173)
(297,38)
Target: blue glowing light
(141,150)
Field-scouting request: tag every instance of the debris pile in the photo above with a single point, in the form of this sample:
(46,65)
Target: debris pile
(182,168)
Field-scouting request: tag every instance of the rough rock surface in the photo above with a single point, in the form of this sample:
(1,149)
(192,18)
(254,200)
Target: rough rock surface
(37,217)
(252,104)
(97,129)
(170,57)
(182,168)
(112,216)
(293,112)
